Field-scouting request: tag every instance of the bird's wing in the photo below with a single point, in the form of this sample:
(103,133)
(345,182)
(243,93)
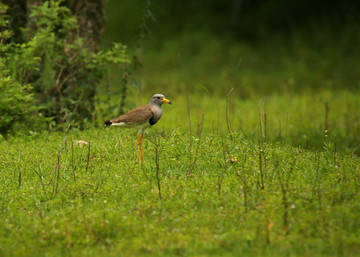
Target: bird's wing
(139,115)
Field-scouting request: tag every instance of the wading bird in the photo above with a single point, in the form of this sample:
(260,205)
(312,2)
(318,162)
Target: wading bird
(140,118)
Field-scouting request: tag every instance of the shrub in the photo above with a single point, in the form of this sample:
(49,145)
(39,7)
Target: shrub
(16,99)
(62,70)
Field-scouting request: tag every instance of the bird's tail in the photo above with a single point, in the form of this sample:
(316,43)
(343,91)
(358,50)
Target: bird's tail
(107,123)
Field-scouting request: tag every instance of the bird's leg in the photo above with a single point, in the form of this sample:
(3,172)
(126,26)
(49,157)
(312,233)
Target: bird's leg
(138,144)
(142,153)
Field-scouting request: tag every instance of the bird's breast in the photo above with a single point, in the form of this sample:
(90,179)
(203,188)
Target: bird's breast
(157,115)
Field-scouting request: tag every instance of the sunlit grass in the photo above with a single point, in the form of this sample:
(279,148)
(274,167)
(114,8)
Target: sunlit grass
(98,200)
(299,120)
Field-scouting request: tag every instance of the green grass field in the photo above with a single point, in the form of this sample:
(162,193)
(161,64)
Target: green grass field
(222,190)
(257,156)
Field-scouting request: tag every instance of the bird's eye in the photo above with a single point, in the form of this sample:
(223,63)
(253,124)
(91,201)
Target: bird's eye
(158,97)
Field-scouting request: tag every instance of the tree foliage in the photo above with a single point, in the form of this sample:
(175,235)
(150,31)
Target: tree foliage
(55,64)
(16,98)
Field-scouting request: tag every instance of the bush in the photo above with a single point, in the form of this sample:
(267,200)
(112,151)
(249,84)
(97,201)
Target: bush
(53,67)
(15,103)
(16,99)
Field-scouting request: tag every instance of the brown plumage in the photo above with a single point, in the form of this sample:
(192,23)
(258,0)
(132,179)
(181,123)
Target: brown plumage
(136,116)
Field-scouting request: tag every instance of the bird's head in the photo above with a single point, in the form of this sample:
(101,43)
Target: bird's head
(159,99)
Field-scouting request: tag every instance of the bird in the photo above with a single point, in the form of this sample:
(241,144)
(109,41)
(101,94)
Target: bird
(141,118)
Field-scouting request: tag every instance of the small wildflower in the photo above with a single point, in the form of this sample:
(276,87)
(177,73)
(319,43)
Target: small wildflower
(233,160)
(326,133)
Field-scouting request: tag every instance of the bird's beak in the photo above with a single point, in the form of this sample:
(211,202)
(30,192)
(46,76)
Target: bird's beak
(166,101)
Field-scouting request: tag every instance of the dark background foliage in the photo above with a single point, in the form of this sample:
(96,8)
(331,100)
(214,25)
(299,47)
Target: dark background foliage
(243,19)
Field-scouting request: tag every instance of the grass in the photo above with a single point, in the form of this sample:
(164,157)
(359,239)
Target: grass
(240,198)
(306,60)
(295,119)
(291,78)
(270,168)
